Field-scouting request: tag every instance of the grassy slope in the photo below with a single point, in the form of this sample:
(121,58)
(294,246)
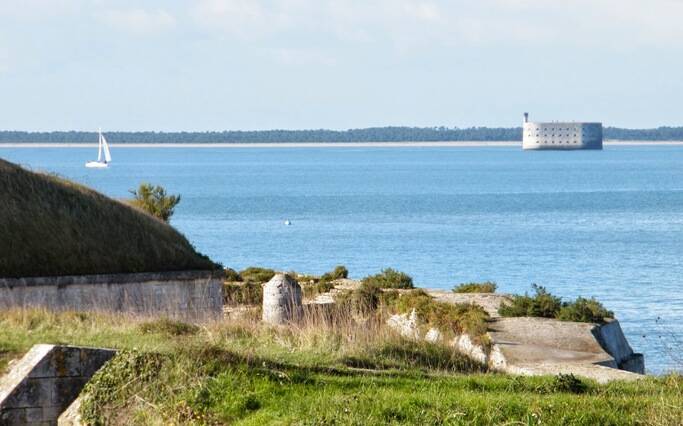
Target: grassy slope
(244,373)
(50,226)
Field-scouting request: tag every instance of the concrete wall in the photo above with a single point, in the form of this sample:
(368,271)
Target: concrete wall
(612,339)
(185,294)
(46,381)
(562,136)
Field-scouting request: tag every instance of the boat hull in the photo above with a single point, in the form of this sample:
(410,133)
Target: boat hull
(96,165)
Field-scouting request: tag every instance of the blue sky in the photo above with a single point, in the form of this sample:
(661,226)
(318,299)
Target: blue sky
(263,64)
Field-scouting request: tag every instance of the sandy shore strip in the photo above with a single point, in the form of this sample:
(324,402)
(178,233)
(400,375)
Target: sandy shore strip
(454,144)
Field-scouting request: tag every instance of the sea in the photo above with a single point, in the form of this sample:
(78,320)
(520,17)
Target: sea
(605,224)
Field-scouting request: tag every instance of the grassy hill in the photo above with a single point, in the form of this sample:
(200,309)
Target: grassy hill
(50,226)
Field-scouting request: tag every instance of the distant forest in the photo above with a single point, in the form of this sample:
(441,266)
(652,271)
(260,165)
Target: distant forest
(375,134)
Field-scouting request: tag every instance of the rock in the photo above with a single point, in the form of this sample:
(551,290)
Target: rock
(433,335)
(281,300)
(465,345)
(406,325)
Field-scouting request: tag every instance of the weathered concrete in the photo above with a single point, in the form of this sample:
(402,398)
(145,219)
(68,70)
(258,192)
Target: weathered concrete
(183,294)
(46,381)
(281,300)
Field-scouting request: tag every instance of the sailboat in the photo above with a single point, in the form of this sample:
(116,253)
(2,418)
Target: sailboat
(102,148)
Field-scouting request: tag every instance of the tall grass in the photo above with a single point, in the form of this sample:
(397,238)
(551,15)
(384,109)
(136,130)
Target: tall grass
(51,226)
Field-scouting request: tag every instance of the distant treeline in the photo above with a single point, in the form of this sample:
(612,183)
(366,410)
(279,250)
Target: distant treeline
(375,134)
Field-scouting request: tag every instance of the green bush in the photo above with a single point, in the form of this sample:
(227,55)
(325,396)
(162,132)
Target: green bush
(485,287)
(567,383)
(365,299)
(232,276)
(390,278)
(584,310)
(248,293)
(257,274)
(154,200)
(545,305)
(542,304)
(337,273)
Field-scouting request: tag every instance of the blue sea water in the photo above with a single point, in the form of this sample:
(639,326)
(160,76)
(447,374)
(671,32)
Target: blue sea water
(606,223)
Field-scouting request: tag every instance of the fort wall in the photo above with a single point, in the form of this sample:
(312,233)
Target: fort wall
(193,295)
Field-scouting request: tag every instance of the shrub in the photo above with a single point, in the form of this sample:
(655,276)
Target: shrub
(154,200)
(584,310)
(567,383)
(257,274)
(545,305)
(390,278)
(485,287)
(337,273)
(542,304)
(232,276)
(365,299)
(248,293)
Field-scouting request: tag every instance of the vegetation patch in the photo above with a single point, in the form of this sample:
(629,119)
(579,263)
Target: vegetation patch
(452,319)
(485,287)
(247,293)
(390,278)
(169,327)
(545,305)
(231,275)
(256,274)
(51,226)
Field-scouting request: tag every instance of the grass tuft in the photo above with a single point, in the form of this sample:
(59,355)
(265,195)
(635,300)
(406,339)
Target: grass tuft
(485,287)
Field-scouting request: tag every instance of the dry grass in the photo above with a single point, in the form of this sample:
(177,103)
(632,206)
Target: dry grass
(51,226)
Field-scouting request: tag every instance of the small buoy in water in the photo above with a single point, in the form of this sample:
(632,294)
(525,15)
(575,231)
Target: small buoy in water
(287,222)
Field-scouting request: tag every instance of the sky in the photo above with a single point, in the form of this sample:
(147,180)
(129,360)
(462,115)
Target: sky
(207,65)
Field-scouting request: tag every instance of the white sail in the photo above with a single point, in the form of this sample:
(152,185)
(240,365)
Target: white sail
(99,148)
(105,146)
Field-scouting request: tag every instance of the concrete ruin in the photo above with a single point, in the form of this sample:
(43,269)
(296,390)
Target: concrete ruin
(526,346)
(192,295)
(540,346)
(40,386)
(281,300)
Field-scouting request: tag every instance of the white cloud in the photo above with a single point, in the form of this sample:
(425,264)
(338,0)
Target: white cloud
(140,21)
(456,22)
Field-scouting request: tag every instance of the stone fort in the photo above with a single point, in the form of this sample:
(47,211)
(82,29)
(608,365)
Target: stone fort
(561,135)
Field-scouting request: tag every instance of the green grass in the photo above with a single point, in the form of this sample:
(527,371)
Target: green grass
(51,226)
(485,287)
(248,374)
